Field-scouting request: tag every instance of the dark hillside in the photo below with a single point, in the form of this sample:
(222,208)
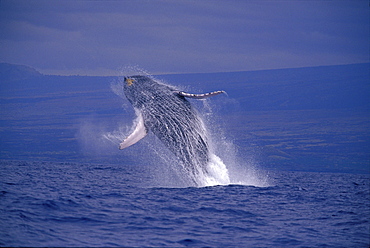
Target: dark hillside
(327,87)
(315,119)
(10,72)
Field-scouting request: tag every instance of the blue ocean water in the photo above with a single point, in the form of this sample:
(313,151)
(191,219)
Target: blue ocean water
(71,204)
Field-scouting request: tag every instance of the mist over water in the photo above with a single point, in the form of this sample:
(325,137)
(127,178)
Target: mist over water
(226,166)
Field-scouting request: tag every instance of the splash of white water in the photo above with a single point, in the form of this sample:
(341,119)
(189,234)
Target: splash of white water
(217,174)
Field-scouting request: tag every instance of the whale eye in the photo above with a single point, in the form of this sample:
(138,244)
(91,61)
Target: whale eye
(129,81)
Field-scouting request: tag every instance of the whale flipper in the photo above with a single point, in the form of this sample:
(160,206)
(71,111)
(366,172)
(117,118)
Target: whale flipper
(139,133)
(201,96)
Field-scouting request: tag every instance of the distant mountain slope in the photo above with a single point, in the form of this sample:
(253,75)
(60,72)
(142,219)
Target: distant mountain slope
(315,119)
(329,87)
(325,87)
(10,72)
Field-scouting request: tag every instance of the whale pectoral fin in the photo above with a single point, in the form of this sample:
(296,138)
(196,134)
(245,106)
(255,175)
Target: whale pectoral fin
(139,133)
(201,96)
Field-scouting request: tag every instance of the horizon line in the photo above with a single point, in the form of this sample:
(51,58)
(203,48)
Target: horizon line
(182,73)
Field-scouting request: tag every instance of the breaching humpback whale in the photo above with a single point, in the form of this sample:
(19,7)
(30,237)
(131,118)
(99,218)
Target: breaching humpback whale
(169,115)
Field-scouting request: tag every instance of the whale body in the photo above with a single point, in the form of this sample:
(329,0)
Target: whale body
(167,113)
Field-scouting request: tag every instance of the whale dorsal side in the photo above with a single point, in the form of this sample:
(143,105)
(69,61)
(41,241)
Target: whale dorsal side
(201,96)
(139,132)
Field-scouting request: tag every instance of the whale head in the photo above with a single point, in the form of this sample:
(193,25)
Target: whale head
(139,90)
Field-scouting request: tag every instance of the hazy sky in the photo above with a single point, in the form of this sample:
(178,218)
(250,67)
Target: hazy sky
(99,37)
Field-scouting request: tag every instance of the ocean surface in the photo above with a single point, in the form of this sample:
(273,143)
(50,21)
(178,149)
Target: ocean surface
(72,204)
(289,164)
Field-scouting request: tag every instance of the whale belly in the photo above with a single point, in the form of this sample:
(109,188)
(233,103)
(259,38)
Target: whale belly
(179,128)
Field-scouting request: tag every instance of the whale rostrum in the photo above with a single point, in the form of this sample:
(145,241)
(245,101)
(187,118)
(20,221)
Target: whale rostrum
(165,111)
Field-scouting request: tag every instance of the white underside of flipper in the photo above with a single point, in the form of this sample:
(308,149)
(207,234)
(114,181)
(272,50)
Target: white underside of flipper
(139,132)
